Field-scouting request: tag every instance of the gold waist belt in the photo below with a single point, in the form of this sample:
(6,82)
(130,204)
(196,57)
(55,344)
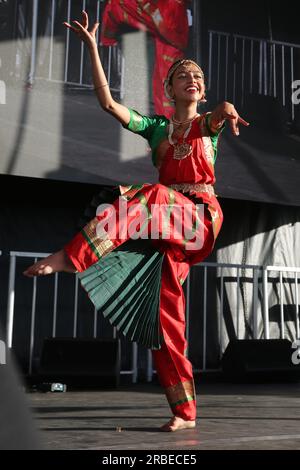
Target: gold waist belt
(194,188)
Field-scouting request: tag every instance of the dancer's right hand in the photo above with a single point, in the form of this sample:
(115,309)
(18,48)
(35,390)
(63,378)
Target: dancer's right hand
(89,37)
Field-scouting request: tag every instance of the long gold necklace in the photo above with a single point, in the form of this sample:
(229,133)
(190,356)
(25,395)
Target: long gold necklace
(181,149)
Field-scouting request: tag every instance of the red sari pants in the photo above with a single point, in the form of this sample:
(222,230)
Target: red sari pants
(172,365)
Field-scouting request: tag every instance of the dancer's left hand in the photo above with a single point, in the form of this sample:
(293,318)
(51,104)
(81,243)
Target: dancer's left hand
(226,111)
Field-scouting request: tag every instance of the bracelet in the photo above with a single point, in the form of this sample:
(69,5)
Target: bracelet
(100,86)
(212,126)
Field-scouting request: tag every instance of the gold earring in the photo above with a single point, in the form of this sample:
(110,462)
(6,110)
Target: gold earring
(203,99)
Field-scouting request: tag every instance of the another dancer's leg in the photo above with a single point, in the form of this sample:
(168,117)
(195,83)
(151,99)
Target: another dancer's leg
(173,367)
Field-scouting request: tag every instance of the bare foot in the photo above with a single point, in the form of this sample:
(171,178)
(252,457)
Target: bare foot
(176,424)
(57,262)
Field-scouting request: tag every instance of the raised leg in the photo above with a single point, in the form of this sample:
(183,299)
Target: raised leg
(57,262)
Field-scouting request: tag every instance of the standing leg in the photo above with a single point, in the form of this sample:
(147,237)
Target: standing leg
(173,367)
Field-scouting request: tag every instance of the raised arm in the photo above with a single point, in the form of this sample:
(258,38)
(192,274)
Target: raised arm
(101,86)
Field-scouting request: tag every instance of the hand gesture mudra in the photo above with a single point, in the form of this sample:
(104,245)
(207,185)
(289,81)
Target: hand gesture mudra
(89,37)
(226,111)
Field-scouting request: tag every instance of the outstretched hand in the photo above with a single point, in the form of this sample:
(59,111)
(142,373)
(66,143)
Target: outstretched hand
(226,111)
(89,37)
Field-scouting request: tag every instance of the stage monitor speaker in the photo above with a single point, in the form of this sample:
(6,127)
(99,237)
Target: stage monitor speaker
(260,361)
(80,362)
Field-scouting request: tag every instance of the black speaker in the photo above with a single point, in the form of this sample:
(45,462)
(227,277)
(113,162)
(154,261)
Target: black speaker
(260,361)
(80,362)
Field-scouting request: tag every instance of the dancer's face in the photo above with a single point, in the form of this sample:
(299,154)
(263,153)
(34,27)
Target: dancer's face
(187,84)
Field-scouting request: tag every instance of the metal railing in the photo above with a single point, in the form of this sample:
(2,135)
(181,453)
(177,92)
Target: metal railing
(226,275)
(240,65)
(281,270)
(38,69)
(220,267)
(14,255)
(260,281)
(219,285)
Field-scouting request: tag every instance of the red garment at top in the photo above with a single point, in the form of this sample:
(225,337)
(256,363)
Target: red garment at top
(166,21)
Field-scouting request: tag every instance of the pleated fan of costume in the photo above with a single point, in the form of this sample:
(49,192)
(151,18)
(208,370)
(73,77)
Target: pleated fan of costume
(124,285)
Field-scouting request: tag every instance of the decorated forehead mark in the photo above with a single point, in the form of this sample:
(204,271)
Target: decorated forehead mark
(186,68)
(183,63)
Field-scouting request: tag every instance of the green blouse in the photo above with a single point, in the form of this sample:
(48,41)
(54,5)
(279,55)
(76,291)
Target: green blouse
(154,129)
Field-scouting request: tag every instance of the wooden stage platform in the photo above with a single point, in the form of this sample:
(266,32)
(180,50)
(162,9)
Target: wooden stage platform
(230,416)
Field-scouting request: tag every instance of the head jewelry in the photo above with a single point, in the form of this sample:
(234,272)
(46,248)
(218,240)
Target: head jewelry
(172,70)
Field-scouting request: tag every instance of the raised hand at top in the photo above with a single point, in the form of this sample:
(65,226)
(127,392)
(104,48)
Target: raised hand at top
(82,30)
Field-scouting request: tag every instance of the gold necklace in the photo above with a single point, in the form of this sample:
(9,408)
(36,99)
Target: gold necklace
(183,149)
(183,122)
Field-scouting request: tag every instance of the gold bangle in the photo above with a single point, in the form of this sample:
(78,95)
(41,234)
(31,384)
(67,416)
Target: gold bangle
(212,126)
(100,86)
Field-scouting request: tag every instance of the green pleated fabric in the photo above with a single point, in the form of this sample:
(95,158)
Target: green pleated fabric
(125,286)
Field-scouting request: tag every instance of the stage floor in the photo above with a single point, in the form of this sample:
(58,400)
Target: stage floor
(230,416)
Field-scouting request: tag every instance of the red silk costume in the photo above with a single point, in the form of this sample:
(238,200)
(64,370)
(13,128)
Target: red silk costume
(166,21)
(195,175)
